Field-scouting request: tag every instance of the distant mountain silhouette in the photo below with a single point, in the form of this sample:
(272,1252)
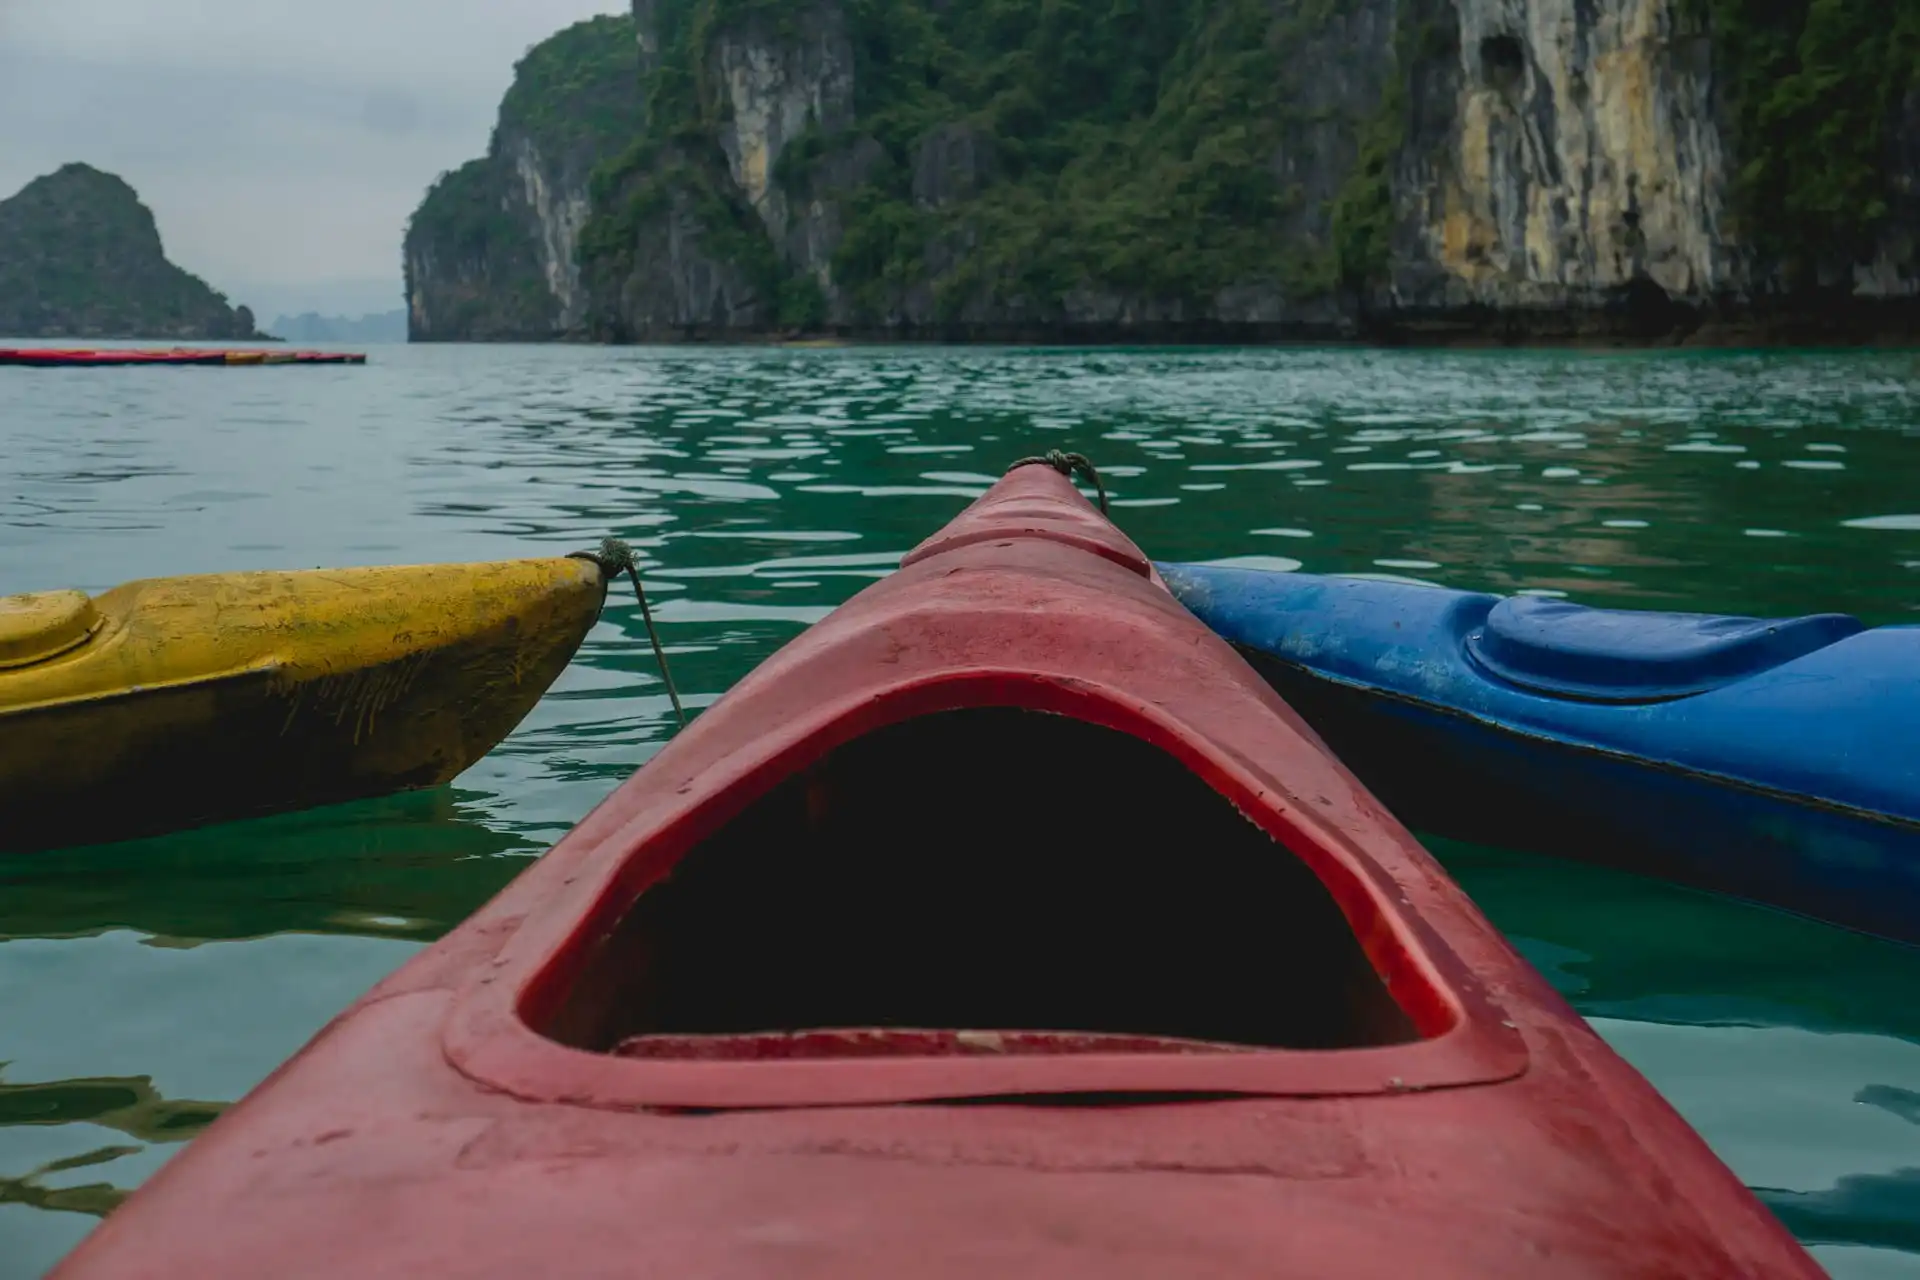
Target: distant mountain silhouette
(311,327)
(80,257)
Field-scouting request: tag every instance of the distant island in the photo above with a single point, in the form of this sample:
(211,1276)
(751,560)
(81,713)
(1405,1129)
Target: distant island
(80,257)
(1635,171)
(311,327)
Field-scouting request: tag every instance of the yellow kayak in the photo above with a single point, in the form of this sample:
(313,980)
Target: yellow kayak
(175,702)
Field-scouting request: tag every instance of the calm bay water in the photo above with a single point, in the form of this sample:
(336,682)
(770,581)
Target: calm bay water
(144,986)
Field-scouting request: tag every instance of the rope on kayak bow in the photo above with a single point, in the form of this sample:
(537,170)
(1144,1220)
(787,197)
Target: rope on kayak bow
(614,558)
(1067,464)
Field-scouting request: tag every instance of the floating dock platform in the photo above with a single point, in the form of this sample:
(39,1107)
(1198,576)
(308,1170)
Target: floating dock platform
(47,357)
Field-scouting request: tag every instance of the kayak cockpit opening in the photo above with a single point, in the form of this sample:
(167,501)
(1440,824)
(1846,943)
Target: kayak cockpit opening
(987,881)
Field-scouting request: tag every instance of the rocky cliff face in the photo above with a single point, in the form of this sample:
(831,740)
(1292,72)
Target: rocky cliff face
(1572,170)
(860,173)
(493,252)
(80,257)
(712,236)
(1892,273)
(1240,169)
(1570,166)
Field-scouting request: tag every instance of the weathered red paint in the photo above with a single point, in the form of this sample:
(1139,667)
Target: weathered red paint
(430,1131)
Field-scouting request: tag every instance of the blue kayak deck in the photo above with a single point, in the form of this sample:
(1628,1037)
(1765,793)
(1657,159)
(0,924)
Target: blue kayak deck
(1575,652)
(1817,707)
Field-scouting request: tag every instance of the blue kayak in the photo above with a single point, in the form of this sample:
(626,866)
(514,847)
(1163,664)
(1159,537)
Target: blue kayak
(1776,760)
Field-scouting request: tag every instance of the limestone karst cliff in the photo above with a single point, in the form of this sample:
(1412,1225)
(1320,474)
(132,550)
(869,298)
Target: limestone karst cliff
(493,251)
(1237,169)
(1589,165)
(1568,163)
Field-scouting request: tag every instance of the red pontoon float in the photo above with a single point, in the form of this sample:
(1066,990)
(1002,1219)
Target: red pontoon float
(1003,924)
(50,358)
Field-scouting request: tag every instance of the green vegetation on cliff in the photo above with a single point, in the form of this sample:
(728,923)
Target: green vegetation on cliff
(1182,166)
(1126,146)
(1132,140)
(1818,89)
(578,89)
(674,161)
(80,257)
(466,214)
(470,263)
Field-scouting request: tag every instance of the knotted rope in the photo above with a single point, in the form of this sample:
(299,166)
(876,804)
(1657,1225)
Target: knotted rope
(1068,464)
(614,558)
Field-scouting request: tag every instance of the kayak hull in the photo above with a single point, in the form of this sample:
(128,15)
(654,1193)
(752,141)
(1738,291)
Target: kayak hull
(1462,778)
(198,700)
(834,987)
(1791,786)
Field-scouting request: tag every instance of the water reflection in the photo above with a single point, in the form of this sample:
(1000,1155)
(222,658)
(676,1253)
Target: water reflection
(125,1105)
(406,867)
(1790,1045)
(1626,947)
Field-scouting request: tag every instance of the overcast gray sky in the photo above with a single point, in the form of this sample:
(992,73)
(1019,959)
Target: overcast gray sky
(281,143)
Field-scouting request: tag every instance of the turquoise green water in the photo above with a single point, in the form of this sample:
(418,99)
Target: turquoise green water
(143,986)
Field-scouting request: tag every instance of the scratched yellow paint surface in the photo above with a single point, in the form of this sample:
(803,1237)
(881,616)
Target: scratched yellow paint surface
(198,698)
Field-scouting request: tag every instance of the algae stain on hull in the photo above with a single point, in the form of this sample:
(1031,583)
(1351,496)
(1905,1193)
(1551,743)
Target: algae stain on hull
(356,697)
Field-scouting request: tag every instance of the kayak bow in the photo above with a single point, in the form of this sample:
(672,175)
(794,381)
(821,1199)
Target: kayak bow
(175,702)
(1004,923)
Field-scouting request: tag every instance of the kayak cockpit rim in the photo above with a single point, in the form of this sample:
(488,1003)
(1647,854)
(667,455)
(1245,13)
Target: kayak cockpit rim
(535,1024)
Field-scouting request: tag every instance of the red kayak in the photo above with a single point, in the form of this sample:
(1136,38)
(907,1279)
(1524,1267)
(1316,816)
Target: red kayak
(50,358)
(1005,923)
